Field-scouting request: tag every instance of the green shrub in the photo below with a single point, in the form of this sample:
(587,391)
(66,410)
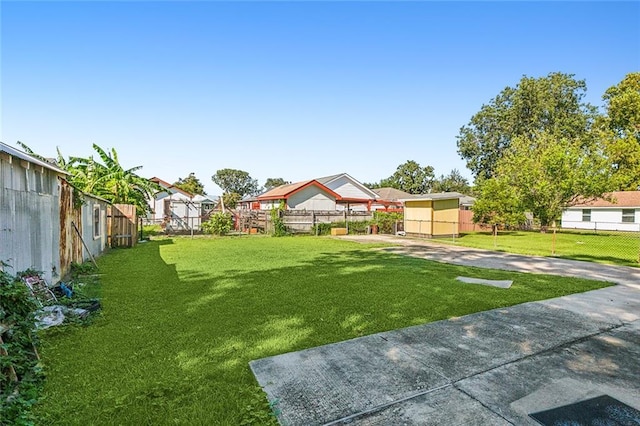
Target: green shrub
(360,227)
(151,230)
(17,308)
(219,224)
(386,221)
(279,228)
(85,268)
(321,229)
(354,227)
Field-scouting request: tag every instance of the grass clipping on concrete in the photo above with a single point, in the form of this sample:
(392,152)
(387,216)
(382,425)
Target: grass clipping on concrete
(183,317)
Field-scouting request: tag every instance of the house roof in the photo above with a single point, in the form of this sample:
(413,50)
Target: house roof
(31,159)
(436,196)
(326,180)
(285,191)
(467,200)
(392,194)
(170,186)
(205,198)
(619,199)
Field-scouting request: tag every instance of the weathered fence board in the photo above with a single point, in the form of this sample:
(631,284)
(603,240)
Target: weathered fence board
(123,225)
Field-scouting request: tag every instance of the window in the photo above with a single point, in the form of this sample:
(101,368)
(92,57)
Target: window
(96,221)
(586,215)
(628,215)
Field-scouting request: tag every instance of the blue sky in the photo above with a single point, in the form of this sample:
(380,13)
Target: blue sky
(288,89)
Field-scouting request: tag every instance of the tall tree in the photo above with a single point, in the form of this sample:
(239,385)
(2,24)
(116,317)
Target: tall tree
(410,177)
(274,183)
(238,181)
(107,178)
(497,203)
(453,182)
(620,129)
(191,184)
(549,174)
(552,105)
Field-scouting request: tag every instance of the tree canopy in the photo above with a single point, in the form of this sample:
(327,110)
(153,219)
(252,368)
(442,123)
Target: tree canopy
(547,174)
(620,129)
(235,181)
(106,178)
(274,183)
(497,203)
(410,177)
(453,182)
(191,184)
(552,105)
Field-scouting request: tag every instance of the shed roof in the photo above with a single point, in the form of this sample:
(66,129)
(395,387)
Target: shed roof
(436,196)
(30,158)
(467,200)
(619,199)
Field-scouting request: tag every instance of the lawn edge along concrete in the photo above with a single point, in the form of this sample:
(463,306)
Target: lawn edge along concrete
(589,341)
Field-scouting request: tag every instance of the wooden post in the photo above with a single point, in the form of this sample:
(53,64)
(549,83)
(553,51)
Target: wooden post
(346,224)
(85,245)
(495,235)
(313,222)
(553,240)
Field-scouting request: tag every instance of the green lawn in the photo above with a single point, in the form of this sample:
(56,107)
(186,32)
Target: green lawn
(613,248)
(183,317)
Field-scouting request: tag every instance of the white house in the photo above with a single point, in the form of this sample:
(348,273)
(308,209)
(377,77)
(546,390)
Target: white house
(178,210)
(622,213)
(329,193)
(306,195)
(353,195)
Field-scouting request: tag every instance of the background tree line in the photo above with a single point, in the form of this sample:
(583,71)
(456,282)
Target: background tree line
(538,147)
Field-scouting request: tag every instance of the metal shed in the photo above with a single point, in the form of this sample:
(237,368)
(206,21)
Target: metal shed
(40,227)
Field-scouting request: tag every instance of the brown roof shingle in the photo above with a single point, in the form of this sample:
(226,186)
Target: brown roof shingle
(619,199)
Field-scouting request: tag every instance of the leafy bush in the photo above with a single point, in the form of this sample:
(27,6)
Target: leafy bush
(354,227)
(360,227)
(321,229)
(151,230)
(20,392)
(219,224)
(85,268)
(279,228)
(386,221)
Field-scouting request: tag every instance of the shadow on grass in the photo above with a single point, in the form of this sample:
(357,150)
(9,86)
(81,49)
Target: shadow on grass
(600,259)
(182,320)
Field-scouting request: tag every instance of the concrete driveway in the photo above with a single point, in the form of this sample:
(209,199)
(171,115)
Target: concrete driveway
(488,368)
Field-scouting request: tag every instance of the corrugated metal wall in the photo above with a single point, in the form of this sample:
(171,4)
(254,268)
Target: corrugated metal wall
(37,217)
(29,200)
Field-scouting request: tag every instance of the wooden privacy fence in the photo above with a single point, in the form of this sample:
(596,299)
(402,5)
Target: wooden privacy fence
(122,225)
(297,221)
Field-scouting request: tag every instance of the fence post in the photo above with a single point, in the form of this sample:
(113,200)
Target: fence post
(453,231)
(495,236)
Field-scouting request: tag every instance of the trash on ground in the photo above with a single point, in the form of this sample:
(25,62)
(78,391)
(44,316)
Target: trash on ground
(492,283)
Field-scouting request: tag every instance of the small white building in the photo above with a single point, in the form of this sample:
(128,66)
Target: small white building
(178,210)
(622,213)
